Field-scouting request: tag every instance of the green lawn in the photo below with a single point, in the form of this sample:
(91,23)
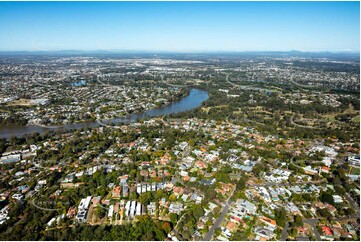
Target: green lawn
(355,170)
(356,119)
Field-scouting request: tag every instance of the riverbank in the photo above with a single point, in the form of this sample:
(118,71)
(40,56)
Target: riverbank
(194,99)
(49,126)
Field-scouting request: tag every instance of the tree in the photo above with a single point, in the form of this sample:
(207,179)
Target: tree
(172,198)
(209,168)
(100,211)
(166,227)
(217,232)
(324,213)
(326,198)
(173,218)
(133,196)
(145,198)
(3,145)
(292,179)
(293,232)
(298,220)
(13,140)
(259,168)
(160,194)
(197,211)
(223,177)
(281,216)
(296,197)
(216,210)
(241,183)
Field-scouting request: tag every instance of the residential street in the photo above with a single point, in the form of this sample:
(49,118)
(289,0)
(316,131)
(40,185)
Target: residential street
(267,184)
(219,221)
(351,217)
(175,231)
(284,232)
(352,202)
(311,222)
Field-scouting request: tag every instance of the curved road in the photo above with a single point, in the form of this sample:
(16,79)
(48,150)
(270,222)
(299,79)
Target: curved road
(47,209)
(302,126)
(248,87)
(312,222)
(301,85)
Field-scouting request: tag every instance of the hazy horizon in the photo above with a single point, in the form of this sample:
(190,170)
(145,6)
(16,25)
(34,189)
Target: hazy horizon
(181,51)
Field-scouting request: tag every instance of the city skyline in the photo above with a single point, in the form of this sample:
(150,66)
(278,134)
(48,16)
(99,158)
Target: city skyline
(180,26)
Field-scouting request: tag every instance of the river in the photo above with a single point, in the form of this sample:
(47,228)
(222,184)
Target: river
(195,98)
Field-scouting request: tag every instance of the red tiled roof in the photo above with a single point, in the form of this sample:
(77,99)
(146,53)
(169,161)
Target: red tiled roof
(326,230)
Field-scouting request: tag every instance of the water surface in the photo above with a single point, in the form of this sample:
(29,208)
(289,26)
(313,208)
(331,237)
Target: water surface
(195,98)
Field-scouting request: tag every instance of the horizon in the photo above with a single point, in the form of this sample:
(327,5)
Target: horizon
(120,51)
(180,27)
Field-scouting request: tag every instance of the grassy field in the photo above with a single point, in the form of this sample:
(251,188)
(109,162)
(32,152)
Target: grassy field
(350,110)
(206,110)
(21,102)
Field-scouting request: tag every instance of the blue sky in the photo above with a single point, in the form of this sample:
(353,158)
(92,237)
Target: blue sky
(180,26)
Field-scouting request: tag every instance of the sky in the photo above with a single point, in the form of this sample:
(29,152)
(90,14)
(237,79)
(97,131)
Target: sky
(180,26)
